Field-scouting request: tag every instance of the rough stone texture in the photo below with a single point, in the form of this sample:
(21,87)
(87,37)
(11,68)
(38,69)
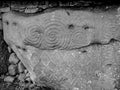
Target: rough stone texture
(22,77)
(91,69)
(13,58)
(21,67)
(51,31)
(4,55)
(12,69)
(95,68)
(9,79)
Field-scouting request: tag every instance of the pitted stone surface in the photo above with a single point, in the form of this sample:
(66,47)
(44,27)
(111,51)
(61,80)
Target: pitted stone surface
(50,31)
(45,44)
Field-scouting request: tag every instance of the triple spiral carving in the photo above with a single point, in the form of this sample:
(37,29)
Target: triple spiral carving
(55,35)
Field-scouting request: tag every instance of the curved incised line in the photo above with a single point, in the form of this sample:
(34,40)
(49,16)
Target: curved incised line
(76,37)
(35,35)
(55,35)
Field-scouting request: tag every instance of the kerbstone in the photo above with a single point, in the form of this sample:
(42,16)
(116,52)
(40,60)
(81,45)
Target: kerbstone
(88,27)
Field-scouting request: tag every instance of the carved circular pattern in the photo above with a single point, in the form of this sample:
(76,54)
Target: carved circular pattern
(55,35)
(35,35)
(78,36)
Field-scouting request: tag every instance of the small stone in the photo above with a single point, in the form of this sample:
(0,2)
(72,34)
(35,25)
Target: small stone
(12,69)
(75,88)
(28,74)
(9,49)
(28,79)
(21,67)
(13,58)
(9,79)
(25,71)
(21,77)
(32,85)
(31,10)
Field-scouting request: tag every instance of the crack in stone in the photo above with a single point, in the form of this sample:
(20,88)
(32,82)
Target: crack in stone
(87,58)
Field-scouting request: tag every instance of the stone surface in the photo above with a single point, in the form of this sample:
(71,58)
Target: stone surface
(31,10)
(21,77)
(81,68)
(9,49)
(6,9)
(13,58)
(9,79)
(21,67)
(12,69)
(88,27)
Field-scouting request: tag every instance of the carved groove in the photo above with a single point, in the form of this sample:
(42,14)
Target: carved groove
(75,37)
(55,35)
(78,37)
(35,35)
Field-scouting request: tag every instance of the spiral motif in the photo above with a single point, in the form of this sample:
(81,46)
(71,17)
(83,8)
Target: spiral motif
(35,35)
(77,37)
(55,35)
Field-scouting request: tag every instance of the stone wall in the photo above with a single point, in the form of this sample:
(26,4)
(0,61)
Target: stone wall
(64,49)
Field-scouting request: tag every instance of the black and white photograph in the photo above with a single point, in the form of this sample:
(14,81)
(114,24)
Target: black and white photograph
(60,45)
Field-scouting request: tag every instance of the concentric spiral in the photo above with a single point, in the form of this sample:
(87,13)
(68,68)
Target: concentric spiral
(55,35)
(35,35)
(78,35)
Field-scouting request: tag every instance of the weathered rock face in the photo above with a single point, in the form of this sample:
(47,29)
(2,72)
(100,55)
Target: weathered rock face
(59,31)
(44,44)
